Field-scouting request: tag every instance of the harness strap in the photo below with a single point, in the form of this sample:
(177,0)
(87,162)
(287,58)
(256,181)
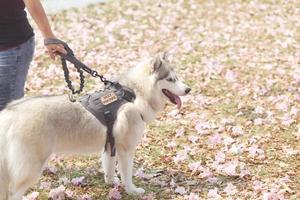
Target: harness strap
(109,119)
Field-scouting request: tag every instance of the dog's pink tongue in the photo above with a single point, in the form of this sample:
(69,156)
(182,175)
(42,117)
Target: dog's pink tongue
(178,101)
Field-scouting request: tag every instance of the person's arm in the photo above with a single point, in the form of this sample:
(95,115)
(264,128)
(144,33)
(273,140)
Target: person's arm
(38,14)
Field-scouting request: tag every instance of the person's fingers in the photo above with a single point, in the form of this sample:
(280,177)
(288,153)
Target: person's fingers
(52,52)
(52,55)
(54,49)
(49,51)
(61,49)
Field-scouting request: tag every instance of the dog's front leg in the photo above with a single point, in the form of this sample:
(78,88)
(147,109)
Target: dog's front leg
(125,165)
(109,166)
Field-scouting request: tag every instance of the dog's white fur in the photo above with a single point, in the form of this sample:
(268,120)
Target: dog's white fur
(31,129)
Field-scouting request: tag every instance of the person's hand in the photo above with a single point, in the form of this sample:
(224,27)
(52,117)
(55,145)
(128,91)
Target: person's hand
(53,49)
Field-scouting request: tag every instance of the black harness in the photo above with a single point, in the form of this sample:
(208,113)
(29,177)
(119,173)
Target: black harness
(103,104)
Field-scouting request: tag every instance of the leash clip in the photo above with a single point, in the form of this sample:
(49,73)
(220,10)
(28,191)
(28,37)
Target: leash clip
(94,73)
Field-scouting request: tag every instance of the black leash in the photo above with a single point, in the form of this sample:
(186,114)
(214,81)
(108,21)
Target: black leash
(77,64)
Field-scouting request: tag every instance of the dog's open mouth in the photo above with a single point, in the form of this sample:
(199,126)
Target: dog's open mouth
(172,97)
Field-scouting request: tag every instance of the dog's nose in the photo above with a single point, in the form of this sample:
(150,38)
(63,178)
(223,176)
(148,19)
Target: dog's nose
(187,90)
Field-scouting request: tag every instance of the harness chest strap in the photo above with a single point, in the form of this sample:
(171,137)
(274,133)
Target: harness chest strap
(105,104)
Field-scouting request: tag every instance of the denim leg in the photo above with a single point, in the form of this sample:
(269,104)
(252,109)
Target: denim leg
(14,65)
(24,59)
(8,63)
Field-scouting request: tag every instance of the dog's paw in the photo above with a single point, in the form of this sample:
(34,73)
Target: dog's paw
(135,190)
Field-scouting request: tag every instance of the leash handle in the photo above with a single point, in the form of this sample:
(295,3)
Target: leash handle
(77,64)
(58,41)
(64,65)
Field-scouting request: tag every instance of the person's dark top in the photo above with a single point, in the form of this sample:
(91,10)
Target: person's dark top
(14,26)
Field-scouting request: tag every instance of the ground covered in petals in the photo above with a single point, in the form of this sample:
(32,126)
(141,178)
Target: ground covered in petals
(237,134)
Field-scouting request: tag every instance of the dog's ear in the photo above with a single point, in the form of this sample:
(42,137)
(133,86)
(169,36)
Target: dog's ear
(157,63)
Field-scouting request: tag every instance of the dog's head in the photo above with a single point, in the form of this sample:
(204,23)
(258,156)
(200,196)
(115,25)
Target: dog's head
(170,86)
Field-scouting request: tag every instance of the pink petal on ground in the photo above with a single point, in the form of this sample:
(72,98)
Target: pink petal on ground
(31,196)
(180,190)
(196,166)
(198,127)
(220,157)
(201,126)
(282,106)
(69,193)
(45,185)
(188,46)
(230,76)
(215,139)
(287,120)
(172,183)
(192,196)
(180,132)
(193,138)
(213,194)
(180,156)
(172,144)
(51,169)
(272,196)
(254,150)
(173,113)
(258,121)
(114,194)
(78,181)
(141,174)
(244,173)
(236,148)
(230,168)
(57,193)
(237,131)
(258,186)
(148,197)
(64,180)
(259,110)
(230,189)
(85,197)
(294,111)
(206,173)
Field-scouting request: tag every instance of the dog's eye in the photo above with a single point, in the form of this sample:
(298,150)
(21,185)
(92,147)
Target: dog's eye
(171,80)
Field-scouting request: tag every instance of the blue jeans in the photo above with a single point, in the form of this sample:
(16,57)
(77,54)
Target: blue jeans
(14,65)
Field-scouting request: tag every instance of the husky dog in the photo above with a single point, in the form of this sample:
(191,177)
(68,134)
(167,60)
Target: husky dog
(31,129)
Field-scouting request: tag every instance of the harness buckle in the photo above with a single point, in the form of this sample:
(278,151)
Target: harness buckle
(128,96)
